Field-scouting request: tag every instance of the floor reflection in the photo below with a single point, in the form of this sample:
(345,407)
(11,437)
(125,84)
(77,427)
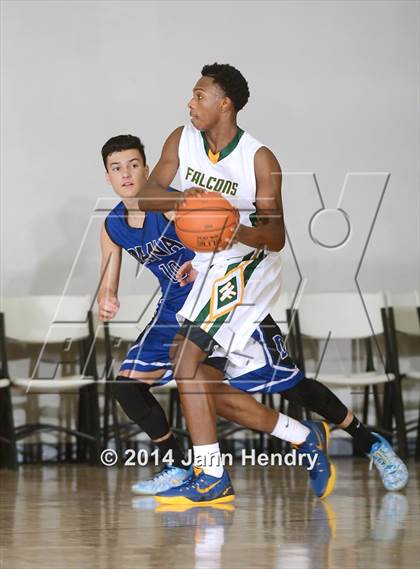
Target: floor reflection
(391,518)
(78,516)
(312,547)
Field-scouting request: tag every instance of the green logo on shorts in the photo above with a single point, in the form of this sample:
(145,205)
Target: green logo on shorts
(227,293)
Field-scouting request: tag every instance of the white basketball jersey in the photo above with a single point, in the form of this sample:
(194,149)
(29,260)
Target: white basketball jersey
(233,176)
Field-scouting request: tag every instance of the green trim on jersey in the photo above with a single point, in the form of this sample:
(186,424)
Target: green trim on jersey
(225,151)
(253,217)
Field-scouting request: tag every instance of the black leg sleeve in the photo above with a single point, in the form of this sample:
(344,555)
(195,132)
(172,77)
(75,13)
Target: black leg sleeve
(317,397)
(141,406)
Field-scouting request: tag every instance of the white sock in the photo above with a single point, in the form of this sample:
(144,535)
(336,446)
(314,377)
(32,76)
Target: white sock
(208,458)
(290,430)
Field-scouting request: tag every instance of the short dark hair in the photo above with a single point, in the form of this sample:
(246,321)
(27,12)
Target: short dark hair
(231,81)
(120,143)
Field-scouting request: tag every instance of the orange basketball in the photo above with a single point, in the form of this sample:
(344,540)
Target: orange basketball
(203,221)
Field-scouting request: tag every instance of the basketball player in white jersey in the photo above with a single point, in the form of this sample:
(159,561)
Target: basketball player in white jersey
(233,288)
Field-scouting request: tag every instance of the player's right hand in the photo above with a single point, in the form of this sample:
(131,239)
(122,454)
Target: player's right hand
(108,308)
(191,192)
(186,274)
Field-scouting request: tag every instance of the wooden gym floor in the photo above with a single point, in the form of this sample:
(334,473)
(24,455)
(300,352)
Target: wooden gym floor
(54,517)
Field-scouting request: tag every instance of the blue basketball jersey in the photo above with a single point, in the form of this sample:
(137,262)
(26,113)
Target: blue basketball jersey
(155,245)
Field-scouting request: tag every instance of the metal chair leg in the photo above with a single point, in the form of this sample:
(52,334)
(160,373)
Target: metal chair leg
(399,418)
(95,427)
(417,451)
(7,431)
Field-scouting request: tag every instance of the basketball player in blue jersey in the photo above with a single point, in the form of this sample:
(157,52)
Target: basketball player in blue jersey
(147,362)
(214,154)
(151,239)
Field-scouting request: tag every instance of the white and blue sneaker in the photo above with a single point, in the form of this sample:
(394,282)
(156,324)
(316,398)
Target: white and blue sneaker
(169,477)
(391,468)
(391,518)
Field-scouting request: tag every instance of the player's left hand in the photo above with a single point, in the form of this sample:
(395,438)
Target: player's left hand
(186,274)
(108,308)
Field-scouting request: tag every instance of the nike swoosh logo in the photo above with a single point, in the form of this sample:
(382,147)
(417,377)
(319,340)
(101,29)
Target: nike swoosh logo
(208,488)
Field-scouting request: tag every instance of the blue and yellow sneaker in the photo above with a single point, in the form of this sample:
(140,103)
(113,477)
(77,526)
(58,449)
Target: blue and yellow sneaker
(168,477)
(200,489)
(391,468)
(322,475)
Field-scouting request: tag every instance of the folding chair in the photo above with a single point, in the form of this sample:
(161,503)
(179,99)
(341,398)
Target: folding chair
(59,323)
(334,316)
(8,454)
(404,318)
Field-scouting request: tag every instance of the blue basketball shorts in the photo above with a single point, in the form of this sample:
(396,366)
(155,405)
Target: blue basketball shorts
(150,352)
(269,370)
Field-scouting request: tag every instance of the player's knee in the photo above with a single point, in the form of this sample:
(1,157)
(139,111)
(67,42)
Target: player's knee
(185,357)
(141,406)
(127,388)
